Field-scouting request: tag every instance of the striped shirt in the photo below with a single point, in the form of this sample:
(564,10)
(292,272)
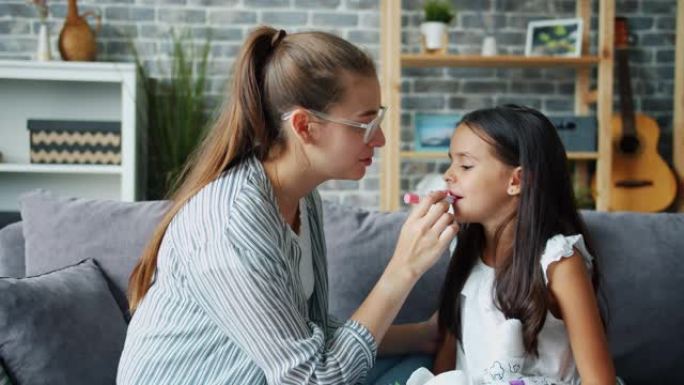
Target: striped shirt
(227,305)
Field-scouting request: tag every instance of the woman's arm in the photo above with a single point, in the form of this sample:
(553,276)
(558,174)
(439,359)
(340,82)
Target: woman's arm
(445,359)
(571,287)
(247,295)
(426,234)
(239,280)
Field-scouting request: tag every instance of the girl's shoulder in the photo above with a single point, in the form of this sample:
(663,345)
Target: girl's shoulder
(563,246)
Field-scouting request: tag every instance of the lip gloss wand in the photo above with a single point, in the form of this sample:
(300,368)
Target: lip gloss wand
(413,198)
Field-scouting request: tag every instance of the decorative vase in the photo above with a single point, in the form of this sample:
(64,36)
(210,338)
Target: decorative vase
(434,36)
(77,39)
(43,52)
(489,46)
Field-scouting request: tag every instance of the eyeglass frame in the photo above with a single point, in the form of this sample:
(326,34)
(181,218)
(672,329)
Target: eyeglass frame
(370,127)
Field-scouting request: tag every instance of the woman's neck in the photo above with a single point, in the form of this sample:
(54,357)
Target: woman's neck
(291,181)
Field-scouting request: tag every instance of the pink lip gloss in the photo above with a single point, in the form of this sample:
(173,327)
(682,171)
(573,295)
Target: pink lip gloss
(413,198)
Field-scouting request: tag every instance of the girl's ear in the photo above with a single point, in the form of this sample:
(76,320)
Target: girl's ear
(300,125)
(515,182)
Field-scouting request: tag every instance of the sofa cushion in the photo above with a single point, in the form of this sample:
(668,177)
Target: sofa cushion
(61,231)
(4,377)
(642,269)
(12,251)
(63,327)
(360,244)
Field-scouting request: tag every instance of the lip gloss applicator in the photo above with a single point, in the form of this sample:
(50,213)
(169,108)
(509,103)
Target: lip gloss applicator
(413,198)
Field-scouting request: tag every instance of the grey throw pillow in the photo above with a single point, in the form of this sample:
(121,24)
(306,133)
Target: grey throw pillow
(61,328)
(360,243)
(62,231)
(4,378)
(12,251)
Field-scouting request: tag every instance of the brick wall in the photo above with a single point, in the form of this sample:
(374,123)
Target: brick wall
(148,23)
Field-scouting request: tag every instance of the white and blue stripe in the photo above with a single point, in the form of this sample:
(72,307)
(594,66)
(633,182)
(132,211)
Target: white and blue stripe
(228,305)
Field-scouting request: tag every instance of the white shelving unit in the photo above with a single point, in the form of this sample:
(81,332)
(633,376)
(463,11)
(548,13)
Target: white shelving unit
(75,91)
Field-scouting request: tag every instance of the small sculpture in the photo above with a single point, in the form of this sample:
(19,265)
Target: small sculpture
(77,39)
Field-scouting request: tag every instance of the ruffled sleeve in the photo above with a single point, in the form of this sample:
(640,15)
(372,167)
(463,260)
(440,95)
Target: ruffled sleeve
(562,246)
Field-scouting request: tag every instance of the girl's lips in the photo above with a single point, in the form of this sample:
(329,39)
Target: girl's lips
(453,198)
(367,161)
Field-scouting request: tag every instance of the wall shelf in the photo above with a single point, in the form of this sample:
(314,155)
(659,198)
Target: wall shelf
(443,155)
(506,61)
(59,169)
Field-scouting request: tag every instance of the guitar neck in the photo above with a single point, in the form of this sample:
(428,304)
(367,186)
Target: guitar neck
(625,92)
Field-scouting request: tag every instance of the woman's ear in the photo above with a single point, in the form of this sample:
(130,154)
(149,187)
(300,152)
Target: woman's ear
(300,125)
(515,182)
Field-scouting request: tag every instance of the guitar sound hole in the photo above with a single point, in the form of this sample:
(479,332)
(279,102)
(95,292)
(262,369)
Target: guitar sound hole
(629,144)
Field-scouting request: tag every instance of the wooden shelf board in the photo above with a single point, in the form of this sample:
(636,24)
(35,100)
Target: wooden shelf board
(59,168)
(443,155)
(450,60)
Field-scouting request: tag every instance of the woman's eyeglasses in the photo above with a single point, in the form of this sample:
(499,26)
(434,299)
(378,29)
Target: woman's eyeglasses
(370,128)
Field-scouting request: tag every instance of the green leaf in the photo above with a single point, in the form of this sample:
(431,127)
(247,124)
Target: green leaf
(176,111)
(438,10)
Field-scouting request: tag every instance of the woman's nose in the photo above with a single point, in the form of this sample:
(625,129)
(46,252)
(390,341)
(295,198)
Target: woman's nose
(378,139)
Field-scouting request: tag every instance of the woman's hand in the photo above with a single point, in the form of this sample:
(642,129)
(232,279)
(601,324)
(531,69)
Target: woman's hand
(426,234)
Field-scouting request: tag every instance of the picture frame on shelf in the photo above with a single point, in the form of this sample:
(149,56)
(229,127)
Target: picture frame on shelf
(559,38)
(433,131)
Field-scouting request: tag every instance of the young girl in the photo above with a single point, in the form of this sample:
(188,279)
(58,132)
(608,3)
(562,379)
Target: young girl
(519,296)
(232,289)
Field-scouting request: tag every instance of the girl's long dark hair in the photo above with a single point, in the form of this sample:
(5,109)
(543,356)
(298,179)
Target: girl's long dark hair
(520,137)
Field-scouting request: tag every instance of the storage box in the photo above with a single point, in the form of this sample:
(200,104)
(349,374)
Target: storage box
(75,142)
(578,133)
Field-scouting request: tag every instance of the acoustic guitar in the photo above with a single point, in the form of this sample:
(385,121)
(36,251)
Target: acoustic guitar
(640,179)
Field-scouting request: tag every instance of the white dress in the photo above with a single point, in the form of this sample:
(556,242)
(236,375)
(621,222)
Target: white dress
(481,354)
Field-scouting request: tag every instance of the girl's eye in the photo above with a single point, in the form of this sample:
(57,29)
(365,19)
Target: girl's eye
(466,167)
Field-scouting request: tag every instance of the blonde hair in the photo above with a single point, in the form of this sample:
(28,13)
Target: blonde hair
(273,73)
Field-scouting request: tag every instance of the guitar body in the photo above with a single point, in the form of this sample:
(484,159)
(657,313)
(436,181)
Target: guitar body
(642,180)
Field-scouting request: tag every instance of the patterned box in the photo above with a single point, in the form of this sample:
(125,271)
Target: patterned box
(75,141)
(578,133)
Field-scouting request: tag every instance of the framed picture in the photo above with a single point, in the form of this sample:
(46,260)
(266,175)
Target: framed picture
(562,37)
(433,131)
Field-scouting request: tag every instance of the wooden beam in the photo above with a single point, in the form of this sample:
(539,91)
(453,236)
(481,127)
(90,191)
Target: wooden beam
(582,76)
(605,102)
(390,77)
(678,123)
(582,83)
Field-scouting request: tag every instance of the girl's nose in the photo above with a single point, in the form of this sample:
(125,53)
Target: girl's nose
(449,177)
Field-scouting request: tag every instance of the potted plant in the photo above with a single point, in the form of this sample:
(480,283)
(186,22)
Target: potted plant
(438,14)
(176,112)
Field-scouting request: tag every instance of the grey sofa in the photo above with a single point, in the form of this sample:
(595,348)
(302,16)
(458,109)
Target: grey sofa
(66,322)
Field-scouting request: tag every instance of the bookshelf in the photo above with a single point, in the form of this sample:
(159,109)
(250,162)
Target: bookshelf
(678,122)
(69,91)
(602,96)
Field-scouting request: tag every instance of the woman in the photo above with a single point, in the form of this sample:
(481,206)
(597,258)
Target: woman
(233,288)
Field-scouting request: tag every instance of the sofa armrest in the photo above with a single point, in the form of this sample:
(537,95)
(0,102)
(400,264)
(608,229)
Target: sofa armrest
(12,261)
